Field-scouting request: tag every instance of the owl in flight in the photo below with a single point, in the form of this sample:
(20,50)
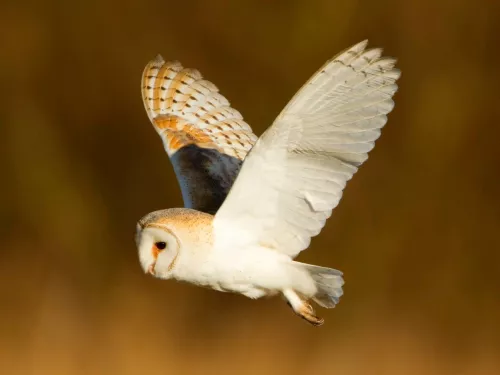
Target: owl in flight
(252,204)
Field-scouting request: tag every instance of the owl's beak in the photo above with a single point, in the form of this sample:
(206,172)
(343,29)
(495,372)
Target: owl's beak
(151,269)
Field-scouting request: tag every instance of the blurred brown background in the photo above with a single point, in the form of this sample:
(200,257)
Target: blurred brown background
(416,233)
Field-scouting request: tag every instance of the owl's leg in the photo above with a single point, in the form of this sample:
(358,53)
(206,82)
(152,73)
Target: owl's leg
(301,307)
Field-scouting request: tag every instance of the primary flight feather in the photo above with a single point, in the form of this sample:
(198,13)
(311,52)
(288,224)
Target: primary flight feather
(252,205)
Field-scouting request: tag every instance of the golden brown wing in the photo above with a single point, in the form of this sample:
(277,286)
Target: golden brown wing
(204,137)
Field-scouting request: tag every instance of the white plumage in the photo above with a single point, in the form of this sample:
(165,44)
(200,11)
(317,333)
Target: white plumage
(303,161)
(287,187)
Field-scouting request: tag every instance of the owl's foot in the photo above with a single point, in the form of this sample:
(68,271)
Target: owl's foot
(302,308)
(309,315)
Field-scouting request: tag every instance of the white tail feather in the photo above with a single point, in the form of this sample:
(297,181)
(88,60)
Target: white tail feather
(329,282)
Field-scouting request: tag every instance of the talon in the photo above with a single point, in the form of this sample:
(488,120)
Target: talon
(302,308)
(308,308)
(314,320)
(307,313)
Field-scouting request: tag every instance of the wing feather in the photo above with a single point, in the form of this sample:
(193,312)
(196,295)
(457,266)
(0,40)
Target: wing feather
(295,174)
(205,138)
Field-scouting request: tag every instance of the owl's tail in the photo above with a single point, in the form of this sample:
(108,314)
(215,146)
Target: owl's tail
(329,283)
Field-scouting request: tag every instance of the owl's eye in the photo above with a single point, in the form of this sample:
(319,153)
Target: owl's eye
(160,245)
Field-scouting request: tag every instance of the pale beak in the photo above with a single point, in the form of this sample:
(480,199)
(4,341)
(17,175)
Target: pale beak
(151,269)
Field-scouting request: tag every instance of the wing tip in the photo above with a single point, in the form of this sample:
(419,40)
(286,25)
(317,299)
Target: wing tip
(159,58)
(157,61)
(361,45)
(354,50)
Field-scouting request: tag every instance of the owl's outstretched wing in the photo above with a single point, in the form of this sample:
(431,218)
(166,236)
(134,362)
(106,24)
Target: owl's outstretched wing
(206,140)
(295,174)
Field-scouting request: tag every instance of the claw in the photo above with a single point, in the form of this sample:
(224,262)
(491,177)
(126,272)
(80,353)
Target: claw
(308,314)
(302,308)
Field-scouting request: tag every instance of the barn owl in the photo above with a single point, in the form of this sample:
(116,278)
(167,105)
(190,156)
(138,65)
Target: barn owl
(252,204)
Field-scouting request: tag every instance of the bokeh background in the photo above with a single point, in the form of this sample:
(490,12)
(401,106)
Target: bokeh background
(416,234)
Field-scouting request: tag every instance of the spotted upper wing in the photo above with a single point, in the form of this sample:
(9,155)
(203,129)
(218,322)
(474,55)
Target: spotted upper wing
(204,137)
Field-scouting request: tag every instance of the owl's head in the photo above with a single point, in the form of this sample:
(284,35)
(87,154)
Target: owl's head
(158,249)
(165,238)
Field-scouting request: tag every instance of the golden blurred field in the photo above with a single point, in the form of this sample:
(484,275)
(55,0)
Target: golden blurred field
(416,233)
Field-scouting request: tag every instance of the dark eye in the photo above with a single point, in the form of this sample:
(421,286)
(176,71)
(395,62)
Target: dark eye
(160,245)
